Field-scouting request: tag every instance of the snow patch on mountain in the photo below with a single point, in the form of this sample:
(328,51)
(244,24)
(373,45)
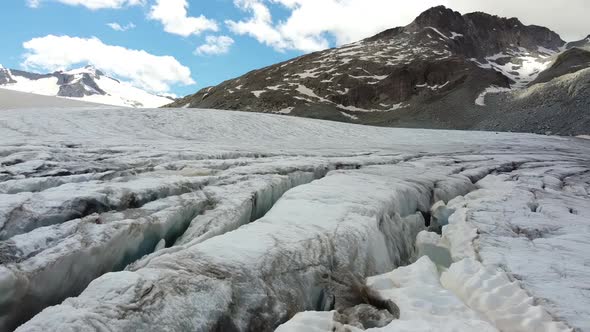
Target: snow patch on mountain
(481,99)
(44,86)
(520,66)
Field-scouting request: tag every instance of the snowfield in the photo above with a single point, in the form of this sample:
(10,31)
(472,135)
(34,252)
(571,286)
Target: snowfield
(202,220)
(10,99)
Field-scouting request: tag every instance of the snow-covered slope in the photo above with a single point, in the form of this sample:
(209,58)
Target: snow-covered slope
(85,84)
(10,99)
(198,220)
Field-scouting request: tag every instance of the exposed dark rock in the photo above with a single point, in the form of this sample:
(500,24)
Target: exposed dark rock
(5,76)
(559,106)
(364,316)
(567,62)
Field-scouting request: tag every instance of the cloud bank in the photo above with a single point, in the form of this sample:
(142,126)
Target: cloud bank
(142,69)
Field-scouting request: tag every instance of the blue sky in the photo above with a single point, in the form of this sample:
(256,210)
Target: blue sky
(59,19)
(160,52)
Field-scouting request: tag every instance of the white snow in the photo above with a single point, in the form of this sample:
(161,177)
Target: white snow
(302,89)
(438,32)
(388,108)
(11,99)
(497,56)
(433,87)
(454,35)
(310,73)
(343,92)
(522,67)
(45,86)
(255,210)
(394,107)
(481,99)
(258,93)
(547,51)
(520,251)
(286,110)
(124,94)
(350,116)
(274,88)
(306,91)
(119,93)
(371,77)
(355,109)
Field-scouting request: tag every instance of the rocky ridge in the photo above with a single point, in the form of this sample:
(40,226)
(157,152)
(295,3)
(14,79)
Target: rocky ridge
(433,73)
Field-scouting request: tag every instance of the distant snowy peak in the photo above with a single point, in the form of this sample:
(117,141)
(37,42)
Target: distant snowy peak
(88,70)
(87,83)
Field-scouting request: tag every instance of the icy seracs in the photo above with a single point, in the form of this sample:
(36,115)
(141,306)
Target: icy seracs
(200,220)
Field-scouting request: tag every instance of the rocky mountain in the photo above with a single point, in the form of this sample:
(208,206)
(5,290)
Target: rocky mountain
(86,84)
(584,43)
(437,72)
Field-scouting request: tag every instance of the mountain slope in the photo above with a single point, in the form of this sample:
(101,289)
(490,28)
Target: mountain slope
(433,73)
(567,62)
(87,84)
(559,106)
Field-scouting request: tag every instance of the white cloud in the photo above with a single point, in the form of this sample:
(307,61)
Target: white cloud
(33,3)
(118,27)
(92,4)
(144,70)
(259,26)
(312,24)
(174,16)
(215,45)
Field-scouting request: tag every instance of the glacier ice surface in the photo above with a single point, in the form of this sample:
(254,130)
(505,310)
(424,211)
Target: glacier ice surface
(200,220)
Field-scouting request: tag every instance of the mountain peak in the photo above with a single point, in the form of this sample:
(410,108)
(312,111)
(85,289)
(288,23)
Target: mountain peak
(439,17)
(437,12)
(88,69)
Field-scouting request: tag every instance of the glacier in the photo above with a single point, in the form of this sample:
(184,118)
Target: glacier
(203,220)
